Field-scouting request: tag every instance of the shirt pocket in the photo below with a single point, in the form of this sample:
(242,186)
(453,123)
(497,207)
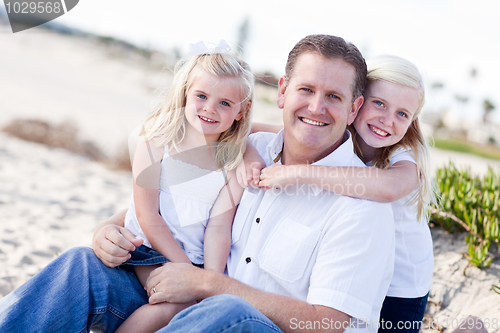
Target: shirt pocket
(242,213)
(288,250)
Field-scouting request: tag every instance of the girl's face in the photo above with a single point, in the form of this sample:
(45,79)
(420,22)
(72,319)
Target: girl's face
(386,113)
(212,105)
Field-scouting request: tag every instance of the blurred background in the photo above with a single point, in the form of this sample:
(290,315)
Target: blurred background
(455,44)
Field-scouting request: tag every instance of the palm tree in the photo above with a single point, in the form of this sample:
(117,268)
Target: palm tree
(488,107)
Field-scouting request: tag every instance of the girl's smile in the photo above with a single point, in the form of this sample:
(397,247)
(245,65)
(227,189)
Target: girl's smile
(378,131)
(207,119)
(385,115)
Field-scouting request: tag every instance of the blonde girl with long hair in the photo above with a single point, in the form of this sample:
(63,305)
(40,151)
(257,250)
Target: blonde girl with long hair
(185,191)
(387,136)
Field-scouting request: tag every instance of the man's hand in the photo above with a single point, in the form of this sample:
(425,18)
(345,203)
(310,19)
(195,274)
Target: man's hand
(112,244)
(176,283)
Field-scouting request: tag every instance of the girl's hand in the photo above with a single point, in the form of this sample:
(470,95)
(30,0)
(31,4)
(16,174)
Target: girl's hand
(278,176)
(112,244)
(248,172)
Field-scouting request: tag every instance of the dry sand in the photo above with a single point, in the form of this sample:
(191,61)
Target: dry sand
(51,199)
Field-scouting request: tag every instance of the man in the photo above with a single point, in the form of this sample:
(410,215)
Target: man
(300,259)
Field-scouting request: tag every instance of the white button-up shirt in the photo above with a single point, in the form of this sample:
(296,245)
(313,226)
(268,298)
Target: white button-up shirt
(314,245)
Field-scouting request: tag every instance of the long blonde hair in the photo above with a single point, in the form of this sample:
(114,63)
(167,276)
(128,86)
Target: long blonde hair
(401,72)
(166,123)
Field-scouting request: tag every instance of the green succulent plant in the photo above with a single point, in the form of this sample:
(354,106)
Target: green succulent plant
(468,202)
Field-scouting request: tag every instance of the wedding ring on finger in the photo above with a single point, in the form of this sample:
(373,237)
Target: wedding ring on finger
(154,290)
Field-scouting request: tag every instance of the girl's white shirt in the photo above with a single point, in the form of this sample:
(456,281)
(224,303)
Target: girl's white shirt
(187,194)
(414,259)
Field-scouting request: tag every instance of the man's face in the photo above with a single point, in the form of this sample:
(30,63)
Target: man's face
(317,105)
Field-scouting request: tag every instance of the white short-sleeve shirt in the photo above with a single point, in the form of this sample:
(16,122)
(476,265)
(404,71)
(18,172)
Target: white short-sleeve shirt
(314,245)
(414,260)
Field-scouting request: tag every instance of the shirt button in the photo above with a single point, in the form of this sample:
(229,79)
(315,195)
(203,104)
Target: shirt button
(248,259)
(257,220)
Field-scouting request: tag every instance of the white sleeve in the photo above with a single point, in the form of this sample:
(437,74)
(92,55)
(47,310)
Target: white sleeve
(401,154)
(260,141)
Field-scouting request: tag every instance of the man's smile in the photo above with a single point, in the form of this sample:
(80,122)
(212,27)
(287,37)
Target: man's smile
(312,122)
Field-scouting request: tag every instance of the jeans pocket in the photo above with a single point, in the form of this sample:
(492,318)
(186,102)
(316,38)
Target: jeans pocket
(288,250)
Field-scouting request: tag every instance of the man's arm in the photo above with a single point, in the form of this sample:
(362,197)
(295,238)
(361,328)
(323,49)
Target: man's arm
(180,283)
(112,242)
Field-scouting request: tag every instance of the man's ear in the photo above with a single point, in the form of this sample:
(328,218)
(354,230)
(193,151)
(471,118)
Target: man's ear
(281,91)
(356,105)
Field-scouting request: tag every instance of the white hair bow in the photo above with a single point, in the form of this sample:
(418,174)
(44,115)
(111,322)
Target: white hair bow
(208,48)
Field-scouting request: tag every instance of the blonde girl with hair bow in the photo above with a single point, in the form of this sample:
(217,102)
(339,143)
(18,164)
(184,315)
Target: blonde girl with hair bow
(185,191)
(387,136)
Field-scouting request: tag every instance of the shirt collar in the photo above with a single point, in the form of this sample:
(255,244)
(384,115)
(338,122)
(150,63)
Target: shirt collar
(341,156)
(275,147)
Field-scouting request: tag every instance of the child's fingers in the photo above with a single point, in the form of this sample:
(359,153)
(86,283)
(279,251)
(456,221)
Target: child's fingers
(131,238)
(109,246)
(256,176)
(121,238)
(111,260)
(255,173)
(241,176)
(263,186)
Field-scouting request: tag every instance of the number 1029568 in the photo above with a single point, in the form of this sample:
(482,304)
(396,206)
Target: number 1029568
(33,7)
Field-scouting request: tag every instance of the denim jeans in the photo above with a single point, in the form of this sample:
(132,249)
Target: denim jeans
(75,293)
(222,313)
(402,314)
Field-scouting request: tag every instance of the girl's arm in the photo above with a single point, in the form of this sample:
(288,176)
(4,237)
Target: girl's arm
(248,171)
(381,185)
(146,176)
(261,127)
(218,231)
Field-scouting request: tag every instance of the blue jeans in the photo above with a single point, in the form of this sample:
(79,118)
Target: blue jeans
(75,293)
(402,314)
(222,313)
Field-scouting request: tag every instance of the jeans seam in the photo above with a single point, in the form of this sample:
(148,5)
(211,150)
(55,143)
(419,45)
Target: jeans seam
(418,307)
(111,309)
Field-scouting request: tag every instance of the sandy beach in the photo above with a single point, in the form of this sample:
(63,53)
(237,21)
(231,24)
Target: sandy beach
(52,199)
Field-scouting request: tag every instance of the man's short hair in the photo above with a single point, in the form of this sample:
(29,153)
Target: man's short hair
(331,47)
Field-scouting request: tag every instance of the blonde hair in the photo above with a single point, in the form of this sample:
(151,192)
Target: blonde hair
(166,123)
(401,72)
